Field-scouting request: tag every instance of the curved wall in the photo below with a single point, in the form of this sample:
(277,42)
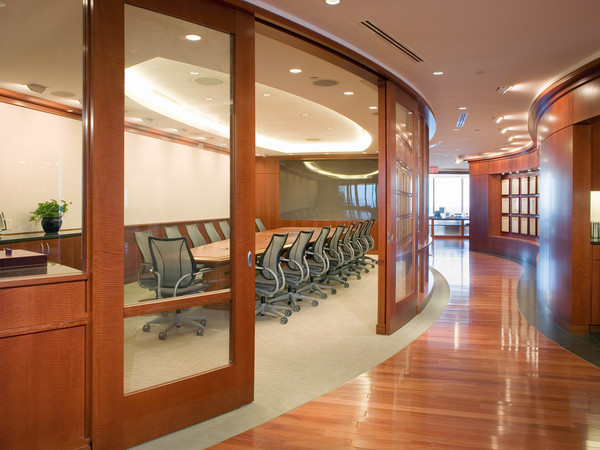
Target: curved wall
(564,120)
(485,191)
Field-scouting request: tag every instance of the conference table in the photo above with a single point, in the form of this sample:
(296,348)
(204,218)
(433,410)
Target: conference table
(216,254)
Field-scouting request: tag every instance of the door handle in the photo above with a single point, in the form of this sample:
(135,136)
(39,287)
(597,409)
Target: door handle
(250,259)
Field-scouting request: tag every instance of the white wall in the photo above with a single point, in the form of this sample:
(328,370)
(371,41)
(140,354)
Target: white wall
(167,182)
(41,158)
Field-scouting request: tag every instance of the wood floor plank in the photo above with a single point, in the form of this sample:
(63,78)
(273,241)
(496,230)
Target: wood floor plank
(480,377)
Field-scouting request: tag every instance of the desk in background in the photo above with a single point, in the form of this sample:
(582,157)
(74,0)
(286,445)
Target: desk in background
(449,221)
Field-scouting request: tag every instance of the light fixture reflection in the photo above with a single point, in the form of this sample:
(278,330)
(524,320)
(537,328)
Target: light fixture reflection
(310,166)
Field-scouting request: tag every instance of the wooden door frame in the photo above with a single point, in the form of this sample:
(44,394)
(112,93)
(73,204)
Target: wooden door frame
(392,315)
(112,417)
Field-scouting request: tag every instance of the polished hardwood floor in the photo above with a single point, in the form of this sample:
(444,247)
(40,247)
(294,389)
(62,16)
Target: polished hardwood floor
(480,377)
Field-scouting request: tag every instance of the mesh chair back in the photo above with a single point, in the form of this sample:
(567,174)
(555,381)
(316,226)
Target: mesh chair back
(298,249)
(172,259)
(172,232)
(259,224)
(356,236)
(368,237)
(211,231)
(270,258)
(334,242)
(348,235)
(195,235)
(319,245)
(141,239)
(225,228)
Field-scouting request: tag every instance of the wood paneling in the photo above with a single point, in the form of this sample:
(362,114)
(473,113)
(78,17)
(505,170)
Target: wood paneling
(42,387)
(267,192)
(480,377)
(104,173)
(29,307)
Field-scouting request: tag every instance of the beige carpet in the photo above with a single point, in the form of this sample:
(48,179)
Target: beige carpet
(318,350)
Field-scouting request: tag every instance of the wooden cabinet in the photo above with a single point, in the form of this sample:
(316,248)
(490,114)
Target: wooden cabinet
(65,250)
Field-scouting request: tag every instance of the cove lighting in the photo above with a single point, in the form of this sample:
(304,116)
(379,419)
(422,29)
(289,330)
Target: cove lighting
(342,176)
(193,37)
(159,95)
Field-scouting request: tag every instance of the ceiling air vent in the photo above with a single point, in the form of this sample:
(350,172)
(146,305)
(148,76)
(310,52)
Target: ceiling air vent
(461,119)
(407,51)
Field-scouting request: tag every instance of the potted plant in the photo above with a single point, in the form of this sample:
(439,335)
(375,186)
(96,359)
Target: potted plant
(50,214)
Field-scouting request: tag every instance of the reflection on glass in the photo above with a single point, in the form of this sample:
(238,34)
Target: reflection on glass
(150,361)
(177,147)
(178,103)
(41,152)
(333,189)
(404,199)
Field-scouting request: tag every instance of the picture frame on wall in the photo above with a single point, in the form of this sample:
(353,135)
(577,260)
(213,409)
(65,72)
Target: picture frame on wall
(2,222)
(514,225)
(533,205)
(532,226)
(524,225)
(533,184)
(524,205)
(505,225)
(505,206)
(524,183)
(514,187)
(506,187)
(514,208)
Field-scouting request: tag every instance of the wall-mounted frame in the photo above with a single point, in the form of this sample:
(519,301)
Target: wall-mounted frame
(514,224)
(505,205)
(532,226)
(514,207)
(514,188)
(2,222)
(505,224)
(505,187)
(533,205)
(524,225)
(524,183)
(533,185)
(524,205)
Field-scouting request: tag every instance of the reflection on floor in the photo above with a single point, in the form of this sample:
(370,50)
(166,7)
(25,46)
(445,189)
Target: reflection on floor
(480,377)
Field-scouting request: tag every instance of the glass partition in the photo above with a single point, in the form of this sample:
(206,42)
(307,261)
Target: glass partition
(41,98)
(178,105)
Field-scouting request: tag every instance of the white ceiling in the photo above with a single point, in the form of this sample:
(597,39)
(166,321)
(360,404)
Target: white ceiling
(478,44)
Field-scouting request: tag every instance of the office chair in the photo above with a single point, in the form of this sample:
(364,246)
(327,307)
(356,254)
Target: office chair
(348,267)
(370,243)
(259,224)
(358,247)
(318,265)
(225,228)
(145,277)
(211,232)
(176,272)
(296,272)
(195,235)
(336,259)
(270,279)
(172,232)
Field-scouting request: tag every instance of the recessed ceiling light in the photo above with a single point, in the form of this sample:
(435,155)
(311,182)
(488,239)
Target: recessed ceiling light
(462,107)
(372,107)
(504,130)
(332,2)
(194,73)
(193,37)
(503,89)
(438,73)
(498,119)
(305,114)
(209,99)
(348,93)
(295,70)
(510,138)
(266,95)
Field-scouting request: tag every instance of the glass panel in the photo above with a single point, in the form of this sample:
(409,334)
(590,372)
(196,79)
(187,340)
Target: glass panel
(404,199)
(41,98)
(178,105)
(332,189)
(150,361)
